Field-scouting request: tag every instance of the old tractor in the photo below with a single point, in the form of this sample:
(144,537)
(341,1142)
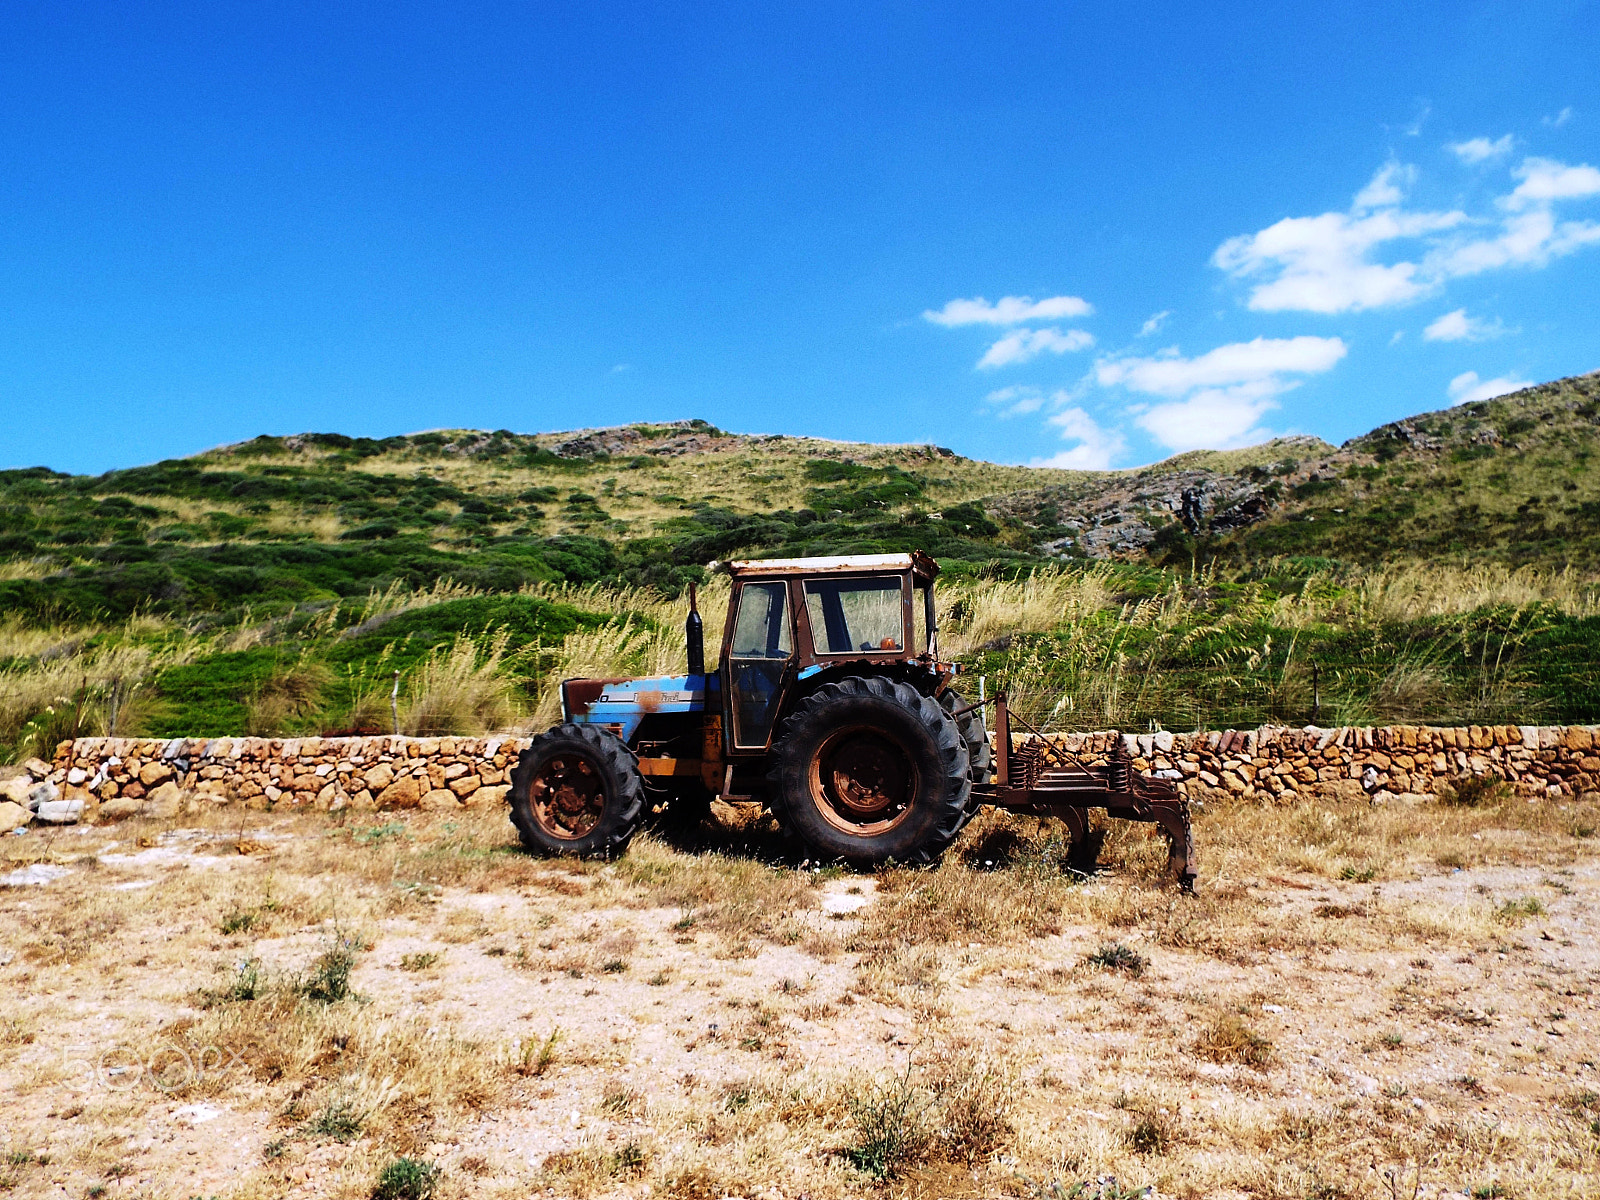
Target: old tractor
(830,704)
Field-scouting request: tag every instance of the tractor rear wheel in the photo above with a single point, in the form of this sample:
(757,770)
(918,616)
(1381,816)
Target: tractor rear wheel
(867,770)
(577,790)
(979,757)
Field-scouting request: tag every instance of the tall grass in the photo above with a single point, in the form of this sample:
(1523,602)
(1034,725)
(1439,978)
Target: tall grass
(462,689)
(1103,646)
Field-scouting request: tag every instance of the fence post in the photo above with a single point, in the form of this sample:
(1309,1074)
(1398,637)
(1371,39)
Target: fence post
(1316,693)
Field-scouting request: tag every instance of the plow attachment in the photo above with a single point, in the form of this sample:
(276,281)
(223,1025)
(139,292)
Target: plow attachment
(1038,776)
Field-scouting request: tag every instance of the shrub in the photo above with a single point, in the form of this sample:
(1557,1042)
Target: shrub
(1474,791)
(406,1179)
(1114,956)
(1230,1040)
(329,981)
(891,1129)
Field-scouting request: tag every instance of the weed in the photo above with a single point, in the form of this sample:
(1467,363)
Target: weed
(1474,791)
(1354,874)
(537,1056)
(406,1179)
(419,961)
(1515,912)
(891,1128)
(371,835)
(1229,1040)
(329,981)
(658,979)
(339,1119)
(1114,956)
(238,921)
(614,966)
(619,1100)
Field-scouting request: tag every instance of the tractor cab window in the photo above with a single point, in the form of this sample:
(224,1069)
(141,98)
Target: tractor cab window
(923,614)
(849,616)
(756,660)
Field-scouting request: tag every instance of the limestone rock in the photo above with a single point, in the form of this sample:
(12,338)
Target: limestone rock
(119,808)
(42,793)
(164,802)
(61,812)
(153,773)
(465,785)
(13,816)
(379,777)
(402,793)
(439,800)
(15,791)
(493,794)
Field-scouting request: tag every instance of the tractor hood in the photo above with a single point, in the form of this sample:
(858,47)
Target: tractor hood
(620,704)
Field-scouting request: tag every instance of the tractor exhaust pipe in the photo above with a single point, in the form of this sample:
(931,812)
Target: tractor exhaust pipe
(695,634)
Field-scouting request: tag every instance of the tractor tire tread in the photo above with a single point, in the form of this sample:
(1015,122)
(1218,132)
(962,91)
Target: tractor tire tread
(616,829)
(950,804)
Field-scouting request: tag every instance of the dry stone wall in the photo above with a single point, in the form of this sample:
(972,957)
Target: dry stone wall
(1408,762)
(107,779)
(113,778)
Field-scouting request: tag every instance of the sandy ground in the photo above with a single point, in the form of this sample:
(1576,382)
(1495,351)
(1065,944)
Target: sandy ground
(712,1021)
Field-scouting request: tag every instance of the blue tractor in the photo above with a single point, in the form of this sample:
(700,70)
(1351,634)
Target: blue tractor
(829,702)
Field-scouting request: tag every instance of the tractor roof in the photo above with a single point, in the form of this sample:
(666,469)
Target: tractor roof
(846,564)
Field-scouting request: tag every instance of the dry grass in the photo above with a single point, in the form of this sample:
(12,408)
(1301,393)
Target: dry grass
(695,1022)
(461,689)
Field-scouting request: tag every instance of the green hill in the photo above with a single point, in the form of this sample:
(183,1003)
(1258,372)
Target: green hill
(277,522)
(280,583)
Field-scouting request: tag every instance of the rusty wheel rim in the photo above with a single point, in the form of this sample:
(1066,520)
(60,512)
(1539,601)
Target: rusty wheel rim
(863,781)
(567,797)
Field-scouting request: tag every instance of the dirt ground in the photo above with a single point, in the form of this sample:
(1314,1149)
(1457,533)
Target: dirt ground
(1391,1002)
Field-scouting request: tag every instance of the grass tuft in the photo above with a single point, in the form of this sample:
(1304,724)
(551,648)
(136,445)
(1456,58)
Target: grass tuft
(407,1179)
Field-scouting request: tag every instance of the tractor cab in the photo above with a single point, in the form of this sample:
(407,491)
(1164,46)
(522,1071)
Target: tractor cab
(794,622)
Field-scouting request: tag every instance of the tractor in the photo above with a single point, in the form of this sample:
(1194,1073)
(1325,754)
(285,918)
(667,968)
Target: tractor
(830,704)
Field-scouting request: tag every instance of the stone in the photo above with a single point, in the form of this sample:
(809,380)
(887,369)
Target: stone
(16,790)
(439,800)
(379,777)
(492,794)
(42,793)
(13,816)
(119,808)
(465,785)
(1578,738)
(77,775)
(402,793)
(153,773)
(164,802)
(61,812)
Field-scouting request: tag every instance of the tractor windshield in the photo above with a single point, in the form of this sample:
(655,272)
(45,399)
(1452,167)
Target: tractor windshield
(849,616)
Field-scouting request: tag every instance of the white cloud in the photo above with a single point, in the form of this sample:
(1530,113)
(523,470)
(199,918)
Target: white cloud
(1240,362)
(1327,263)
(1480,149)
(1560,119)
(1154,323)
(1016,401)
(1008,310)
(1383,190)
(1458,327)
(1218,399)
(1097,447)
(1545,180)
(1020,345)
(1467,387)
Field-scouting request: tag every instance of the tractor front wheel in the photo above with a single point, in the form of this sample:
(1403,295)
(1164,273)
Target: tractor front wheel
(868,770)
(577,790)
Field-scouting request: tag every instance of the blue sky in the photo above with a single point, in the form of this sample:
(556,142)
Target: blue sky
(1093,234)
